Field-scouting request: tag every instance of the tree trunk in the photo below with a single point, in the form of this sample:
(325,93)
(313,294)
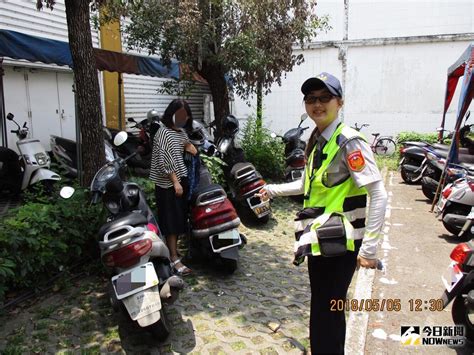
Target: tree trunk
(215,76)
(87,87)
(259,104)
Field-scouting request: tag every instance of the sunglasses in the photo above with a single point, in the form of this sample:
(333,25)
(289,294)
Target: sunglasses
(313,99)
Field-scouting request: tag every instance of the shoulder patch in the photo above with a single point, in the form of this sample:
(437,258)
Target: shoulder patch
(356,161)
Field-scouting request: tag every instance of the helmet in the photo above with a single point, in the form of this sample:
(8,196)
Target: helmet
(230,125)
(152,115)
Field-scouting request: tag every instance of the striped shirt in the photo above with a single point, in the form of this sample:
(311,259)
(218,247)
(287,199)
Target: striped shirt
(167,156)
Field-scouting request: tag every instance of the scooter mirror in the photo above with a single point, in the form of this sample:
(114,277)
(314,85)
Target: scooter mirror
(131,119)
(273,135)
(66,192)
(10,116)
(120,138)
(303,117)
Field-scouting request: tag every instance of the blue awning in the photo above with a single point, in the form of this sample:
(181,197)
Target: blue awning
(18,45)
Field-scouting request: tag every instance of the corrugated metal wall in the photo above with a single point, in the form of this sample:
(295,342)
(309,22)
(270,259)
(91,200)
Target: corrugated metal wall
(141,95)
(22,16)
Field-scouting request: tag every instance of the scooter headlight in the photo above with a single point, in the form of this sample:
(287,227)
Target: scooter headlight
(113,207)
(41,158)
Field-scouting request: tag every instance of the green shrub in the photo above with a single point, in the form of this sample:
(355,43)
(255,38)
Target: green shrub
(214,165)
(417,137)
(263,151)
(37,240)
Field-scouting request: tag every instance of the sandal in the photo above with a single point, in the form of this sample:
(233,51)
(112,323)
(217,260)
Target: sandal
(181,271)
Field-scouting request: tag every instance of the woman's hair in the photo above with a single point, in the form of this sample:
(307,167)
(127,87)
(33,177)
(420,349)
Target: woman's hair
(174,106)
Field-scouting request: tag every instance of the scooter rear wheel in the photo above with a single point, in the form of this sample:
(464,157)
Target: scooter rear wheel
(229,266)
(463,315)
(408,177)
(160,330)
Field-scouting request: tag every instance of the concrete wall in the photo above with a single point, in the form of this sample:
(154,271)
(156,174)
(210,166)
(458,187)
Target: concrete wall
(394,79)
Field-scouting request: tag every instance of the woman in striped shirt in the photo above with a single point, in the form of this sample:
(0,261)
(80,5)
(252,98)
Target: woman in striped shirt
(169,173)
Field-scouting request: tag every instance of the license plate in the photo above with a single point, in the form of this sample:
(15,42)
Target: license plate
(225,240)
(452,276)
(262,210)
(440,206)
(259,207)
(143,303)
(135,280)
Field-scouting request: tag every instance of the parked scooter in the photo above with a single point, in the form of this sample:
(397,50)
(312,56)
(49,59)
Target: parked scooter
(414,163)
(65,152)
(456,202)
(458,281)
(17,172)
(140,142)
(213,219)
(132,245)
(242,177)
(294,151)
(435,162)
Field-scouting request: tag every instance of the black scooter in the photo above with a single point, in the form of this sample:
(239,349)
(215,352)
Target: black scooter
(242,177)
(413,163)
(64,152)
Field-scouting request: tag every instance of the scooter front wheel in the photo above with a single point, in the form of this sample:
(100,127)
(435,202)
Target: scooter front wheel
(463,315)
(458,210)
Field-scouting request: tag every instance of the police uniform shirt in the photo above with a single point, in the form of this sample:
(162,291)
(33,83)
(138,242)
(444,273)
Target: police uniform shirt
(355,159)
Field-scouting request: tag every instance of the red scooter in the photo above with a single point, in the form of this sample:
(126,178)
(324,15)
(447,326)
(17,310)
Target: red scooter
(213,219)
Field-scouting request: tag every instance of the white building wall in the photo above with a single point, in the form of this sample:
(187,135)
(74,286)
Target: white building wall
(400,18)
(399,86)
(402,87)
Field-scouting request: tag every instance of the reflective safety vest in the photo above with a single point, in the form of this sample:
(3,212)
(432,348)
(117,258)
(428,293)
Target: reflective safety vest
(345,198)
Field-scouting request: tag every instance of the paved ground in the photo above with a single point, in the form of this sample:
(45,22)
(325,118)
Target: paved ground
(218,314)
(416,252)
(214,314)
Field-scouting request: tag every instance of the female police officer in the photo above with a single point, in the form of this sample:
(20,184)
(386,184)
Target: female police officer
(340,173)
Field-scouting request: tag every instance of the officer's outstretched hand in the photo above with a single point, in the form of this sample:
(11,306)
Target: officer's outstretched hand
(367,263)
(263,194)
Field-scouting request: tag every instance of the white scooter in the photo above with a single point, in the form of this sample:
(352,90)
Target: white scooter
(17,172)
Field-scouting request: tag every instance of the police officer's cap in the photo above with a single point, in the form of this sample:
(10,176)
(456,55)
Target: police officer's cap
(320,81)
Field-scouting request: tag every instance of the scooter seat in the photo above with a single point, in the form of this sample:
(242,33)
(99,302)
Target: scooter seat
(67,144)
(127,219)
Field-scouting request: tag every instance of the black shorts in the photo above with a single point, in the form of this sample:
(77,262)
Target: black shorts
(172,210)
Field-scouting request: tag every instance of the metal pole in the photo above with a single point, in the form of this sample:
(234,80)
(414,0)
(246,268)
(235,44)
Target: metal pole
(119,76)
(80,174)
(3,125)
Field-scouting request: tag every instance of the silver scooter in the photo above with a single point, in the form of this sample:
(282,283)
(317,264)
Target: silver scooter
(456,203)
(18,171)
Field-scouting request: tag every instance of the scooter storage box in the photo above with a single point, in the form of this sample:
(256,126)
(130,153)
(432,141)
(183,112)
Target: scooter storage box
(212,212)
